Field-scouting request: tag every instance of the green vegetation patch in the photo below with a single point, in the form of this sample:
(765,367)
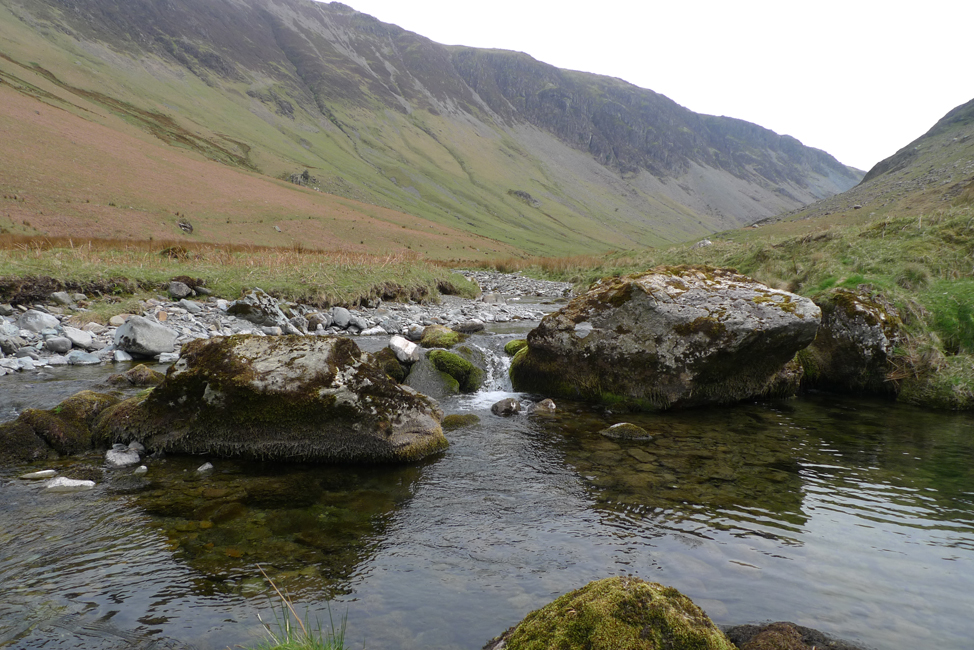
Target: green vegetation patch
(469,376)
(513,347)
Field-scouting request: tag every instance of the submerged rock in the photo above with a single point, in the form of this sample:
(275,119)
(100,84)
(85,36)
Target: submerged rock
(284,398)
(784,636)
(506,407)
(671,337)
(626,431)
(616,613)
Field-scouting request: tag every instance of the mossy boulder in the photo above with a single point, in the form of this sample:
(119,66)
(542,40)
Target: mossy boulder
(617,613)
(469,376)
(287,398)
(513,347)
(427,379)
(63,430)
(439,336)
(389,363)
(852,351)
(673,337)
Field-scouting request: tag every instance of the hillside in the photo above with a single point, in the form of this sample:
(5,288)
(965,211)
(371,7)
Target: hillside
(933,173)
(119,114)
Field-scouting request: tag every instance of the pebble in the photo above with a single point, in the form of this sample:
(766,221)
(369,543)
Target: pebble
(62,484)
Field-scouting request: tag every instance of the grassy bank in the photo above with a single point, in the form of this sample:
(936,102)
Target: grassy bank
(320,278)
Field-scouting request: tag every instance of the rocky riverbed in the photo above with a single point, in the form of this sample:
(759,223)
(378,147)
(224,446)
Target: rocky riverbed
(56,332)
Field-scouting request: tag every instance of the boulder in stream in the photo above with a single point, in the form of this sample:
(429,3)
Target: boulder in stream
(622,612)
(671,337)
(286,398)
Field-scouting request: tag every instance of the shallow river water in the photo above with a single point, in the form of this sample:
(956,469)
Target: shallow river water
(854,517)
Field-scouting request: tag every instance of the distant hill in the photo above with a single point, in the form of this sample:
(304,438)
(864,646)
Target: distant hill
(146,109)
(933,173)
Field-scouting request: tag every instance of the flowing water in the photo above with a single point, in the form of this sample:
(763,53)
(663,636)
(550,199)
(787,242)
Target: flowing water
(855,517)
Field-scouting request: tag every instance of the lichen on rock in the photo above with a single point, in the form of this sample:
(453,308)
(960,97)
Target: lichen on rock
(853,349)
(283,398)
(668,338)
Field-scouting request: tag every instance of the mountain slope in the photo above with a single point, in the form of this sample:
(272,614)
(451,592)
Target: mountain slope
(934,173)
(494,144)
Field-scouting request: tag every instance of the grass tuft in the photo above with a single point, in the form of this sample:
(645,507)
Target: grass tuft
(290,632)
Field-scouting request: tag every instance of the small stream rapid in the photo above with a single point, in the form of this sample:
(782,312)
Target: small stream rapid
(855,517)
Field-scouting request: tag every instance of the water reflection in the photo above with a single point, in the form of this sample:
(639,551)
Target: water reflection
(850,516)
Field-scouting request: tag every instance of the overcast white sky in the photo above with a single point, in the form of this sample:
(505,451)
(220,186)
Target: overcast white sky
(857,78)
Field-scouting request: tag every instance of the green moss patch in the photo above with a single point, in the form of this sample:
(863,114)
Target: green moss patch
(618,613)
(437,336)
(468,376)
(513,347)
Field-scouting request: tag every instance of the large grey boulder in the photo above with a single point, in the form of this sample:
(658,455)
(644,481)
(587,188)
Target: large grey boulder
(145,338)
(670,337)
(283,398)
(37,321)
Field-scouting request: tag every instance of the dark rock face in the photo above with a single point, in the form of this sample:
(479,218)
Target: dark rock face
(671,337)
(851,353)
(283,398)
(783,636)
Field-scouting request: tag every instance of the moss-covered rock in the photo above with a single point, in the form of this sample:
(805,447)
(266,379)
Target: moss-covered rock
(62,430)
(513,347)
(386,359)
(459,421)
(469,377)
(140,375)
(283,398)
(438,336)
(617,613)
(668,338)
(853,349)
(426,378)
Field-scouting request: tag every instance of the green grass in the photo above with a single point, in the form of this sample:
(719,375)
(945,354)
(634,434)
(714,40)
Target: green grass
(290,632)
(312,277)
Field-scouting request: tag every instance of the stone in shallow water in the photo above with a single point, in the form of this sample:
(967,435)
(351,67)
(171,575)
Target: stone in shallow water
(62,484)
(44,473)
(626,430)
(122,457)
(80,358)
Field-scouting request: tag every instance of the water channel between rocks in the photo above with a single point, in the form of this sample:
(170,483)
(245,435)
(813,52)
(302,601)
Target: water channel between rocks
(855,517)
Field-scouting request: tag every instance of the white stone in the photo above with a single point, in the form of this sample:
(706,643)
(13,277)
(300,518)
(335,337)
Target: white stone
(62,484)
(374,331)
(120,458)
(406,351)
(205,467)
(141,469)
(168,357)
(44,473)
(121,355)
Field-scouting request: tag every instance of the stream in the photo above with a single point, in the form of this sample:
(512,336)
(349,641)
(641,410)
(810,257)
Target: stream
(852,516)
